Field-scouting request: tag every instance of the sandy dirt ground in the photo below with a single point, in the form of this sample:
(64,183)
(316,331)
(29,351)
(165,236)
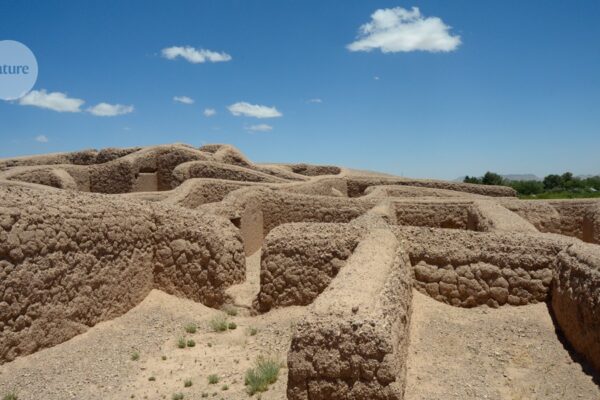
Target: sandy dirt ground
(98,364)
(509,353)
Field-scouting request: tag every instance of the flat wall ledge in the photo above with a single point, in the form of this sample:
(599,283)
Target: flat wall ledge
(353,344)
(576,299)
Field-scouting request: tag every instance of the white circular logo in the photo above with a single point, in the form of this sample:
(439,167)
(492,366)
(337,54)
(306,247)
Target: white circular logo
(18,70)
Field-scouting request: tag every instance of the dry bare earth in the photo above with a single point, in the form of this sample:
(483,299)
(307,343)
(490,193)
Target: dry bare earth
(509,353)
(98,365)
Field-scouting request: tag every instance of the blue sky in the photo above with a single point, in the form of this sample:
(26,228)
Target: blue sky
(518,93)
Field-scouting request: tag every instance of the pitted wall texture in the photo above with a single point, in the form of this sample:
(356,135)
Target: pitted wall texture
(353,344)
(299,261)
(468,269)
(358,185)
(70,260)
(209,169)
(576,299)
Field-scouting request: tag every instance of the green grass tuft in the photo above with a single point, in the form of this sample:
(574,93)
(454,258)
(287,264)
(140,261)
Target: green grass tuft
(213,379)
(232,325)
(135,356)
(191,327)
(181,343)
(10,396)
(218,323)
(187,383)
(191,343)
(230,310)
(177,396)
(262,375)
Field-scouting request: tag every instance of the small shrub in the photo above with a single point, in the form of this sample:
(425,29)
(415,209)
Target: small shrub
(10,396)
(177,396)
(152,379)
(187,383)
(252,331)
(262,375)
(213,379)
(218,323)
(191,343)
(191,328)
(135,356)
(232,325)
(204,394)
(181,343)
(164,358)
(230,310)
(225,387)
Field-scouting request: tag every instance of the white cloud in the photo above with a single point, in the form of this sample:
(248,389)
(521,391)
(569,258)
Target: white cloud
(259,128)
(41,139)
(195,56)
(394,30)
(109,110)
(315,101)
(253,110)
(209,112)
(376,78)
(183,99)
(56,101)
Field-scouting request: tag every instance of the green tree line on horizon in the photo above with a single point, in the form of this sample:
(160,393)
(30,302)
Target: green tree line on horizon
(551,187)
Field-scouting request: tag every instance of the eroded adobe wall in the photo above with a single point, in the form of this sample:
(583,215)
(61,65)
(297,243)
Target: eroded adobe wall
(572,214)
(53,177)
(70,260)
(314,170)
(209,169)
(591,224)
(357,186)
(539,213)
(415,191)
(576,299)
(299,261)
(353,343)
(493,217)
(279,207)
(467,269)
(84,157)
(439,214)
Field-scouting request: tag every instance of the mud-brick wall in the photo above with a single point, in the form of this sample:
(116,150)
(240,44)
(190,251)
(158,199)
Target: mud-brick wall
(70,260)
(572,214)
(468,269)
(353,343)
(576,299)
(299,261)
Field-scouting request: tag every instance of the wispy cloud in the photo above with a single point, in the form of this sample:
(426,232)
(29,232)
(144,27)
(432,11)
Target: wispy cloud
(41,139)
(55,101)
(259,128)
(253,110)
(183,99)
(209,112)
(195,56)
(109,110)
(318,101)
(394,30)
